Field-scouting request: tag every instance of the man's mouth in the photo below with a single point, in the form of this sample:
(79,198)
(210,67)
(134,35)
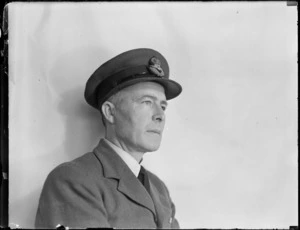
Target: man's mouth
(157,131)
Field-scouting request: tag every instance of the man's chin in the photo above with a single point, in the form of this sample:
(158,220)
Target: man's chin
(151,148)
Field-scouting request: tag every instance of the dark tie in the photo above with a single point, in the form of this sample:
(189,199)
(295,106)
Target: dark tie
(143,178)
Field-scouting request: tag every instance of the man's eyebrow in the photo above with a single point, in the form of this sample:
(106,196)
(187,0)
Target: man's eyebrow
(164,102)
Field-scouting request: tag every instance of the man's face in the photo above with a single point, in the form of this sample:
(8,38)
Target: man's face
(140,117)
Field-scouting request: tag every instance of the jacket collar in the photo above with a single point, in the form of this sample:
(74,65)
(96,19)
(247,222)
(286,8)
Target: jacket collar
(115,167)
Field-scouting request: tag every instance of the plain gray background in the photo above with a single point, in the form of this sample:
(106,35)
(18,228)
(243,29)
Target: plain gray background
(229,150)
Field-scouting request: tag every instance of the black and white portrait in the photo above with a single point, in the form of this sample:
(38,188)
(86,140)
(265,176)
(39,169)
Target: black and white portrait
(227,156)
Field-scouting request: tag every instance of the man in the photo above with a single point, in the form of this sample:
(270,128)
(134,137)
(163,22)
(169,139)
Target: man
(108,187)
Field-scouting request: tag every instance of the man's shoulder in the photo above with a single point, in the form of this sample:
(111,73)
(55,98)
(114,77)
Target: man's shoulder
(81,168)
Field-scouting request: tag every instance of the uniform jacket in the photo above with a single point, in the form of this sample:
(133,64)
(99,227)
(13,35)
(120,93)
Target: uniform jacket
(99,190)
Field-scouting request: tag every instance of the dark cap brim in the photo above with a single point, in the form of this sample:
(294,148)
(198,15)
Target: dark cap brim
(172,89)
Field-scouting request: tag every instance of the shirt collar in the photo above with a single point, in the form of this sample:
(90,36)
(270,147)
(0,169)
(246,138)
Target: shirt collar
(126,157)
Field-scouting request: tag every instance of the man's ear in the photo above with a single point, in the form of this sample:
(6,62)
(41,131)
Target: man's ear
(108,111)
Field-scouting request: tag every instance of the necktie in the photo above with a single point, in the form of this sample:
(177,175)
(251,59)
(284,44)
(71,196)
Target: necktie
(143,178)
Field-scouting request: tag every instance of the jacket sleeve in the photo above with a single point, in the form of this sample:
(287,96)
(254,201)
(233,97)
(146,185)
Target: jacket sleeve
(70,199)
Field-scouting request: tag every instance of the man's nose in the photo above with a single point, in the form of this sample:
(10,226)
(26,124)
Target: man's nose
(159,114)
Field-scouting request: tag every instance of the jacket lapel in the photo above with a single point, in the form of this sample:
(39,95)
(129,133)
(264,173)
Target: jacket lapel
(115,167)
(161,204)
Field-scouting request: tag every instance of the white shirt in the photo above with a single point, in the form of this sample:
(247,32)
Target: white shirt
(134,166)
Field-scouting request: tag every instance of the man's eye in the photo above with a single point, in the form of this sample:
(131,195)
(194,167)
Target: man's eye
(147,102)
(164,108)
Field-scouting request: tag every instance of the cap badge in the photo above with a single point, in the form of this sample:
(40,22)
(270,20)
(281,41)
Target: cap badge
(155,68)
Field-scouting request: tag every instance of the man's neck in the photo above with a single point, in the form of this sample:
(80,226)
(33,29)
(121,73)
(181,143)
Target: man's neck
(138,156)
